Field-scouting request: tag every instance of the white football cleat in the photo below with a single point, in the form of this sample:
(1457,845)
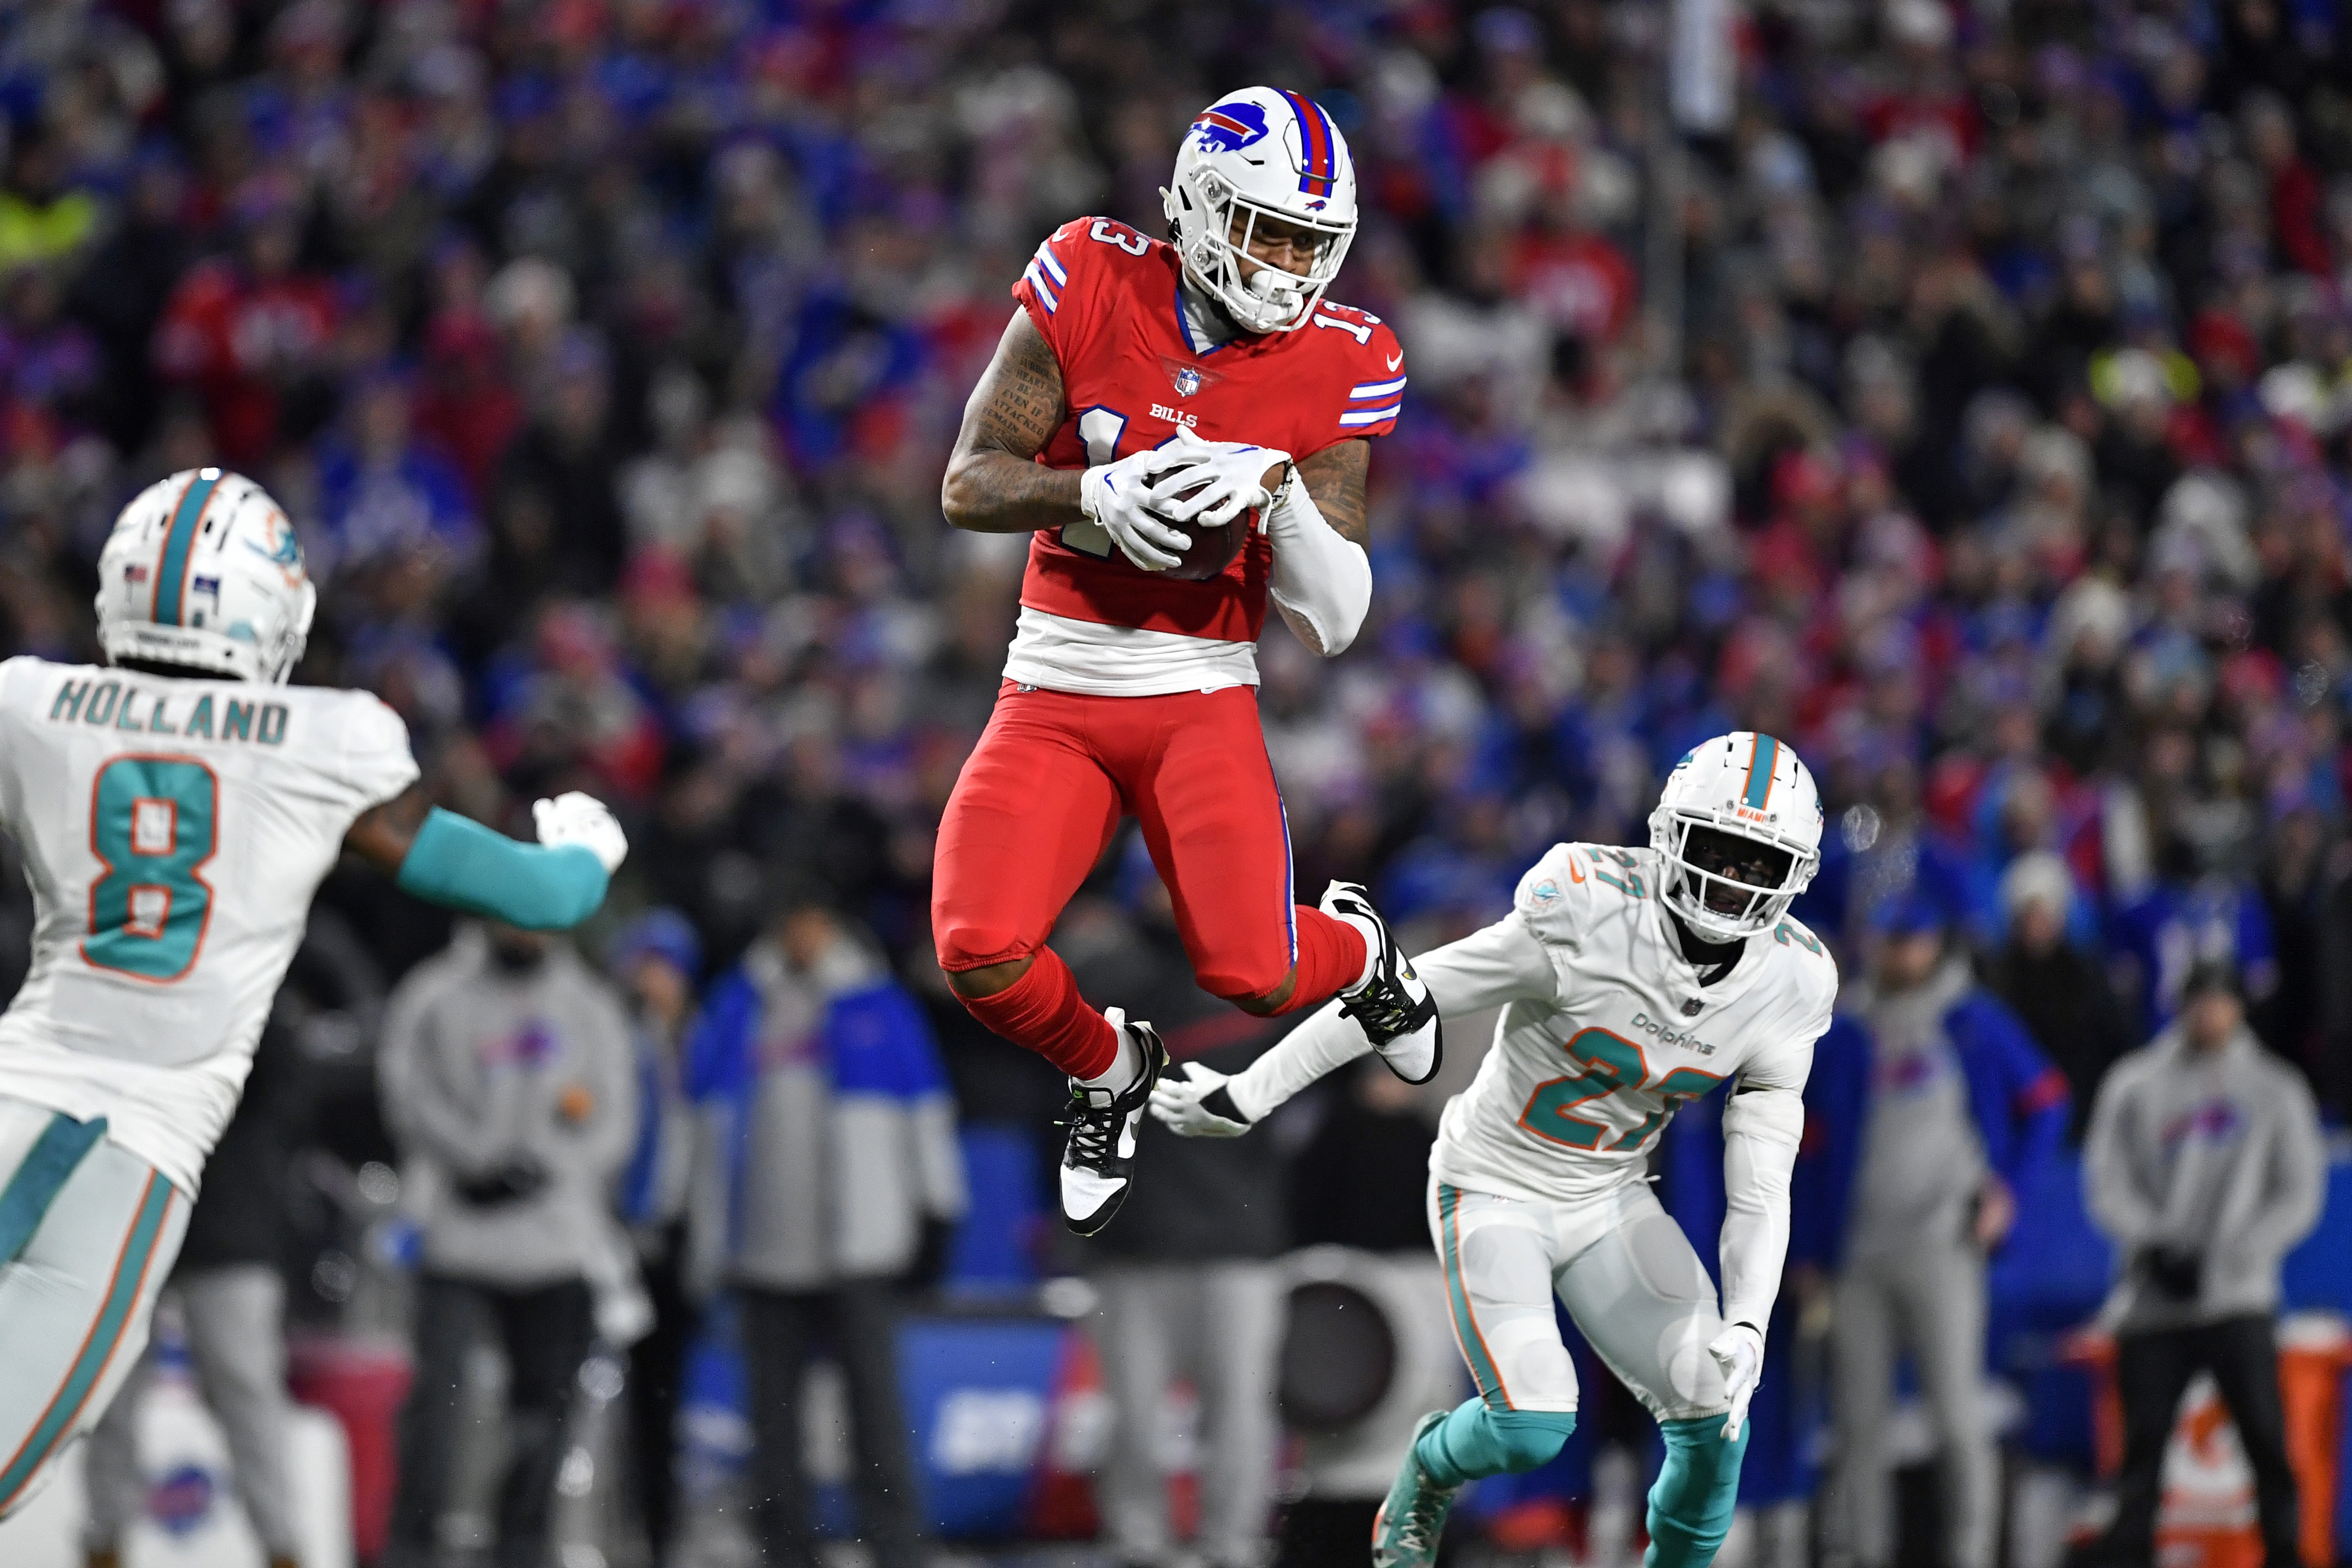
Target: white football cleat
(1098,1160)
(1394,1010)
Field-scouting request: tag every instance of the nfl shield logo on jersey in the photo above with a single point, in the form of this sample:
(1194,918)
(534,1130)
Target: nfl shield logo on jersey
(1187,379)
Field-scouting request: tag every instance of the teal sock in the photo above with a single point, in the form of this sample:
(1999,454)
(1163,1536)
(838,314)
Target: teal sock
(1690,1507)
(1474,1441)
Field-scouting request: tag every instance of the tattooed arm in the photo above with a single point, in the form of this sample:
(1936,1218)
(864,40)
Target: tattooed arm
(1322,580)
(992,484)
(1335,478)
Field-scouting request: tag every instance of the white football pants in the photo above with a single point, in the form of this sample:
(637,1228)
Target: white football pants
(1619,1264)
(88,1231)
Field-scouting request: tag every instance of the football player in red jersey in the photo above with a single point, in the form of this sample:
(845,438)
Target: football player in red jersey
(1137,372)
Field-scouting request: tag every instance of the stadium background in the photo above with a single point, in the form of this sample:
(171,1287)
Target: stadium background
(1962,392)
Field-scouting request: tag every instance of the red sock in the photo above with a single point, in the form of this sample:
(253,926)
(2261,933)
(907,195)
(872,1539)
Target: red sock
(1043,1011)
(1332,956)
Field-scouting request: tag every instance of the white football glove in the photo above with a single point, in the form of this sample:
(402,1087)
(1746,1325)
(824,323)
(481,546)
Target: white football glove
(1117,496)
(1178,1103)
(1232,472)
(1740,1350)
(573,818)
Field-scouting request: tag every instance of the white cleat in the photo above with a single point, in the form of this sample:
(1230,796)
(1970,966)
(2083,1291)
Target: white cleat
(1394,1010)
(1098,1160)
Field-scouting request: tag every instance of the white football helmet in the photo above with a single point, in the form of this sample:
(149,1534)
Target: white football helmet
(1256,153)
(203,571)
(1751,786)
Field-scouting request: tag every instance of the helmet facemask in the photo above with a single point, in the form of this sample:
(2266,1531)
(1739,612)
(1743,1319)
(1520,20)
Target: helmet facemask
(1212,224)
(1729,883)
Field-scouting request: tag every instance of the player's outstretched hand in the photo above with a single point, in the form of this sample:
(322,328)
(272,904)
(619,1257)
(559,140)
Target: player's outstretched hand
(1231,476)
(1197,1105)
(1117,495)
(573,818)
(1740,1350)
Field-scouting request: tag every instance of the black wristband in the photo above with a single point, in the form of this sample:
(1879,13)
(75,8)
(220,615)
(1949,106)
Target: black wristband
(1219,1102)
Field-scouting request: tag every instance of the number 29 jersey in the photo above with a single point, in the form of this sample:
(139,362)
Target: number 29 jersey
(173,832)
(1581,1083)
(1107,301)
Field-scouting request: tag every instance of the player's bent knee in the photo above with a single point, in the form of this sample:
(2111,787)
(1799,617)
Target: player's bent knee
(970,944)
(1251,993)
(1530,1439)
(1474,1442)
(1697,1491)
(988,979)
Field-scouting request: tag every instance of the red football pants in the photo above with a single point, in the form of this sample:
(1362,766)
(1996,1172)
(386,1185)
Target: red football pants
(1044,791)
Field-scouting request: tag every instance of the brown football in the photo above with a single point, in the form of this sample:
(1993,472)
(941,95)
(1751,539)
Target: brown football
(1214,545)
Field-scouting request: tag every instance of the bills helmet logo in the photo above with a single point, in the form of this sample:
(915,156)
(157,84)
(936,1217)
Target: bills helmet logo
(181,1499)
(1230,126)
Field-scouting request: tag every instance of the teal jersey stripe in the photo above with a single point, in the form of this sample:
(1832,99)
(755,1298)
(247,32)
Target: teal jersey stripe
(44,1170)
(1483,1370)
(171,572)
(1760,763)
(121,1298)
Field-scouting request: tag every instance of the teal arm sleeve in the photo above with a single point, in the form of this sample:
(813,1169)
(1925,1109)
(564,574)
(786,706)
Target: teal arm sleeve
(462,865)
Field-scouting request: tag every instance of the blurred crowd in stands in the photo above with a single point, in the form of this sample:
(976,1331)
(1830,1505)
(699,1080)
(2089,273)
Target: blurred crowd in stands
(607,354)
(1972,409)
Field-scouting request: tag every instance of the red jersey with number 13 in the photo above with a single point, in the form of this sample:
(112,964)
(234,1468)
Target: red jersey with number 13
(1108,302)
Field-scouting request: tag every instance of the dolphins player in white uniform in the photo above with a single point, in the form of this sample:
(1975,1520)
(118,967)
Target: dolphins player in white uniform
(175,811)
(1629,980)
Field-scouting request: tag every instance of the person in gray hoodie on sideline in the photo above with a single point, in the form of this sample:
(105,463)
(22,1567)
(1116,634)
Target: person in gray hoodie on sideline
(834,1184)
(2205,1166)
(508,1081)
(1957,1108)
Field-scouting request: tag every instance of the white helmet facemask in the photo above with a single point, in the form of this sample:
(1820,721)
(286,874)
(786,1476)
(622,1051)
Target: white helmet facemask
(202,572)
(1253,159)
(1738,826)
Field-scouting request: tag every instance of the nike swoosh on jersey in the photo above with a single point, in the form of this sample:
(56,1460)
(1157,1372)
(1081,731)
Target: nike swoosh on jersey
(1396,361)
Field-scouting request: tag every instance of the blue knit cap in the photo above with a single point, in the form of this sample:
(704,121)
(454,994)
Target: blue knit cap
(665,933)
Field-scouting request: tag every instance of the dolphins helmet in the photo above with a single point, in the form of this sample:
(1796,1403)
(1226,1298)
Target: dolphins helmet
(1738,786)
(1254,155)
(203,571)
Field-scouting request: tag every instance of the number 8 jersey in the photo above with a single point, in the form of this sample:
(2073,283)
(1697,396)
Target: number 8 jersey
(1108,302)
(173,832)
(1579,1084)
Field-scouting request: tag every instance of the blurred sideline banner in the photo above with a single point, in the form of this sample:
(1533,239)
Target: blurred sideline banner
(1010,1419)
(192,1519)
